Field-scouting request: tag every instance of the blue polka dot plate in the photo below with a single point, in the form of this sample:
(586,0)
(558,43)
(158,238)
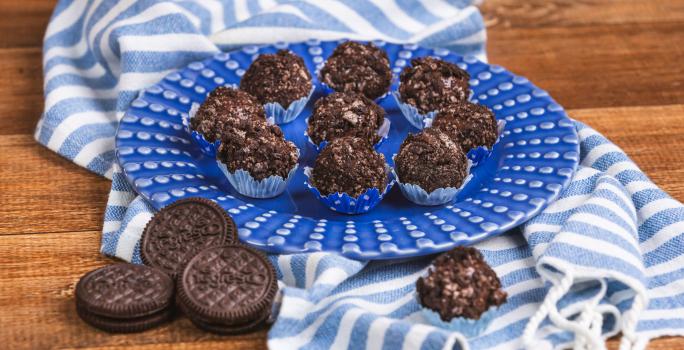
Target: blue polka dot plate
(528,168)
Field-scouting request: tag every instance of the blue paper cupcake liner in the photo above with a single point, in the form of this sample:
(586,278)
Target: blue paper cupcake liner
(281,115)
(246,185)
(383,132)
(439,196)
(411,113)
(343,203)
(208,148)
(469,328)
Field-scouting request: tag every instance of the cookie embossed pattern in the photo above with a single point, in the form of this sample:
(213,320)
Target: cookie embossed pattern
(530,165)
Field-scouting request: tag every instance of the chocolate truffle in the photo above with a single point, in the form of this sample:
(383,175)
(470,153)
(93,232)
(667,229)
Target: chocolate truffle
(460,284)
(362,68)
(431,84)
(281,77)
(469,124)
(258,148)
(225,106)
(431,160)
(345,114)
(349,165)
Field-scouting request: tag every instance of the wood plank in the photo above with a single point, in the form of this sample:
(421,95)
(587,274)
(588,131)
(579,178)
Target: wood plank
(21,89)
(651,136)
(597,66)
(43,192)
(561,13)
(23,22)
(38,274)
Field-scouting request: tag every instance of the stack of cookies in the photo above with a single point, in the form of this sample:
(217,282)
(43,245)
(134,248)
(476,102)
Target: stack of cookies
(190,249)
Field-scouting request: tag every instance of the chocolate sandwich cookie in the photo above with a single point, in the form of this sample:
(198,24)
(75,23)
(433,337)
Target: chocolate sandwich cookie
(125,298)
(179,231)
(357,67)
(228,289)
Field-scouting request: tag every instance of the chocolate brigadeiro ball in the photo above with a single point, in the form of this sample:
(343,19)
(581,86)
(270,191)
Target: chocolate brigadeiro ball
(431,84)
(460,284)
(362,68)
(431,160)
(258,148)
(281,77)
(469,124)
(349,165)
(345,114)
(222,107)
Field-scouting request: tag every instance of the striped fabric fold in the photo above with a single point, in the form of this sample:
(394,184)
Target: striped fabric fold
(605,258)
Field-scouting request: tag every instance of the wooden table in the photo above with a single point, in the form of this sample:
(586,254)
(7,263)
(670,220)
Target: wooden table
(614,64)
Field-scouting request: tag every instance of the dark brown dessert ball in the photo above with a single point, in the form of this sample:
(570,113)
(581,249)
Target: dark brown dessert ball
(281,77)
(345,114)
(225,106)
(356,67)
(460,284)
(431,160)
(468,124)
(258,148)
(431,84)
(349,165)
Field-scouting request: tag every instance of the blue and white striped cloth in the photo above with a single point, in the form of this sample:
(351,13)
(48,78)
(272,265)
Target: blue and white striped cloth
(605,258)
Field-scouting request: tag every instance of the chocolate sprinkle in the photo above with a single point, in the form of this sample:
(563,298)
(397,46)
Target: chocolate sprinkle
(460,283)
(258,148)
(349,165)
(431,84)
(225,106)
(471,125)
(345,114)
(281,77)
(357,67)
(431,160)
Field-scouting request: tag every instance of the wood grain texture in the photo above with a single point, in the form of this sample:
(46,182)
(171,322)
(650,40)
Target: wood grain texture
(43,192)
(614,64)
(565,13)
(23,22)
(597,66)
(21,89)
(38,274)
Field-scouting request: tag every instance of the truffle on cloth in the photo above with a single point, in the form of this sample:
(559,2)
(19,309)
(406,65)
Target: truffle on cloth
(431,84)
(259,149)
(470,125)
(460,283)
(357,67)
(281,78)
(431,160)
(345,114)
(349,165)
(223,107)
